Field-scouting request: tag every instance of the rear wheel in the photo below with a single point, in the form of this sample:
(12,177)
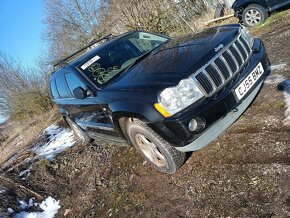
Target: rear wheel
(158,152)
(254,14)
(85,139)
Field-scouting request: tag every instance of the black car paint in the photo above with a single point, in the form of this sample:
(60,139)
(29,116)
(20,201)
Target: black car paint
(134,92)
(214,108)
(269,5)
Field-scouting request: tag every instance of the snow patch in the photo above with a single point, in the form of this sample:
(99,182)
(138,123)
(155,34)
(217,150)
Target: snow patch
(50,207)
(58,139)
(10,210)
(2,191)
(286,91)
(22,204)
(278,66)
(25,173)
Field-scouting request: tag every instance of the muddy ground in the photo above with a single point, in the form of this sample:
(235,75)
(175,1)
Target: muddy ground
(244,173)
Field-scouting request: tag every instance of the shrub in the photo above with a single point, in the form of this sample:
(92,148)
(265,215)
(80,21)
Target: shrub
(23,92)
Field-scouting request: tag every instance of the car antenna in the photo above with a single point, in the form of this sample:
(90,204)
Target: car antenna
(78,51)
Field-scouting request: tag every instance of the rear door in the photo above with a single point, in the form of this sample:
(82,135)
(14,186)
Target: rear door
(88,113)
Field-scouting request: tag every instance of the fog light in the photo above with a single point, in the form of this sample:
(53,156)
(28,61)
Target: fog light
(197,124)
(192,125)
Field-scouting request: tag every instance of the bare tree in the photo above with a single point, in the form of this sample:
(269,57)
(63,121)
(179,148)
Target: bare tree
(23,92)
(70,24)
(161,16)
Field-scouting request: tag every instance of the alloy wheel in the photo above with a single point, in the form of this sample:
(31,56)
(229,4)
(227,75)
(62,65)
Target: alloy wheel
(151,151)
(253,17)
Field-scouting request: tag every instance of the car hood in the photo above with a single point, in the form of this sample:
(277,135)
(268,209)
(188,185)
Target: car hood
(175,60)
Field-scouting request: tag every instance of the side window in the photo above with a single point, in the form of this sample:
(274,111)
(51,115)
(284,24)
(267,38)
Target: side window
(62,87)
(73,82)
(53,90)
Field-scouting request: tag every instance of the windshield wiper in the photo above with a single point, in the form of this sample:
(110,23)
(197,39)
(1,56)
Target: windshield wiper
(143,56)
(137,60)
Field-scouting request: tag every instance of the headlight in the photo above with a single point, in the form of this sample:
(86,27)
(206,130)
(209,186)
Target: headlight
(175,99)
(247,35)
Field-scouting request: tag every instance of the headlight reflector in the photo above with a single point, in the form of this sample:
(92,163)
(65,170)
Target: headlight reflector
(175,99)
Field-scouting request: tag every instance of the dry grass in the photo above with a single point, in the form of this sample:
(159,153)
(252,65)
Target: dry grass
(231,20)
(199,23)
(17,136)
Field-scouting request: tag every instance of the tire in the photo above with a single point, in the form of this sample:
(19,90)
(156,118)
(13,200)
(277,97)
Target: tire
(158,152)
(219,11)
(85,139)
(254,14)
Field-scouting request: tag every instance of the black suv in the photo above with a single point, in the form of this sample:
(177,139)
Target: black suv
(164,96)
(252,12)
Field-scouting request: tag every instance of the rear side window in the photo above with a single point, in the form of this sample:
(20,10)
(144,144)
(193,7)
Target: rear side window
(53,90)
(73,82)
(62,87)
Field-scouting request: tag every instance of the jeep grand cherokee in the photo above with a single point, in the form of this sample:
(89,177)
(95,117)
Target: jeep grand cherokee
(164,96)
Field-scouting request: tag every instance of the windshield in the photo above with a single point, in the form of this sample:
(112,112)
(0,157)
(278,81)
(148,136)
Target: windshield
(115,57)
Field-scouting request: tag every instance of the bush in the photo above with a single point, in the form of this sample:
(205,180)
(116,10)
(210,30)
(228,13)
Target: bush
(23,92)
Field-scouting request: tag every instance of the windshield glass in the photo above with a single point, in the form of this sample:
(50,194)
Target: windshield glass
(118,55)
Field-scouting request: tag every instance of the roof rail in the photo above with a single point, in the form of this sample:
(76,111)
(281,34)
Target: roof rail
(78,51)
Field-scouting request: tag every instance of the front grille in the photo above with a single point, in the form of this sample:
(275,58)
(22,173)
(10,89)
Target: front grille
(224,67)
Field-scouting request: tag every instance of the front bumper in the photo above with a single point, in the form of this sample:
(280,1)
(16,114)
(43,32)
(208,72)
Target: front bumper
(219,111)
(221,125)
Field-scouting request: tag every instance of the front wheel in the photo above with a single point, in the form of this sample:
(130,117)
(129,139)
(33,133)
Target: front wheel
(254,14)
(158,152)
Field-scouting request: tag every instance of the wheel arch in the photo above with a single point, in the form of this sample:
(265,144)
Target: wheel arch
(135,110)
(240,6)
(121,119)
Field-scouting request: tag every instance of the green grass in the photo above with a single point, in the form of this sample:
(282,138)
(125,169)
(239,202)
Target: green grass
(273,19)
(261,28)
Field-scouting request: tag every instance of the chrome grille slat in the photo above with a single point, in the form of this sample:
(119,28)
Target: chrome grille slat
(219,73)
(238,51)
(227,65)
(223,67)
(244,48)
(211,71)
(210,80)
(203,82)
(235,60)
(246,44)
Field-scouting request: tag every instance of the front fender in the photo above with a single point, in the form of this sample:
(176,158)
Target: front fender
(139,110)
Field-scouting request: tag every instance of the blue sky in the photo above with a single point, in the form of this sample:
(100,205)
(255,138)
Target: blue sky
(21,28)
(2,119)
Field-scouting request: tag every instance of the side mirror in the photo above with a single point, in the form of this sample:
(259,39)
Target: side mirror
(80,93)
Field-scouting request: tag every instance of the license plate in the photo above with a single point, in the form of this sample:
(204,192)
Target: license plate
(249,82)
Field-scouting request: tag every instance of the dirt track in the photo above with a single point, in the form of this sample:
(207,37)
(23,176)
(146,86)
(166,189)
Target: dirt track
(244,173)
